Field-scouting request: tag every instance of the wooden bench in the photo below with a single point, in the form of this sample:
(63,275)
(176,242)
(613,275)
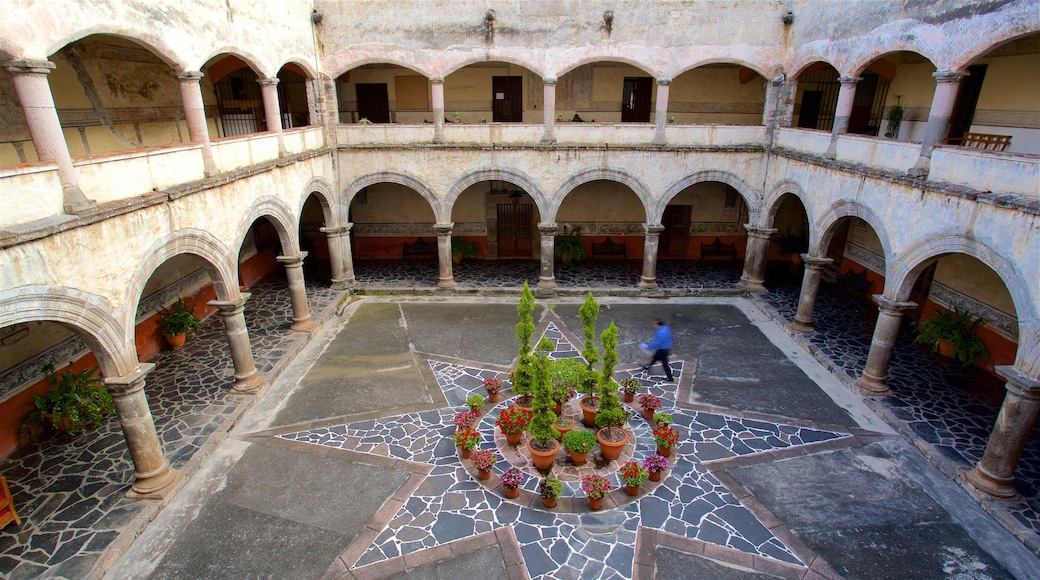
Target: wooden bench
(856,282)
(609,248)
(7,513)
(717,249)
(983,141)
(419,248)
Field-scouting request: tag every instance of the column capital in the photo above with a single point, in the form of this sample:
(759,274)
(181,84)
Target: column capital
(1019,383)
(190,76)
(230,307)
(664,81)
(548,229)
(437,80)
(948,76)
(892,306)
(130,382)
(336,231)
(653,229)
(849,80)
(30,66)
(269,81)
(443,229)
(815,262)
(291,261)
(549,80)
(759,232)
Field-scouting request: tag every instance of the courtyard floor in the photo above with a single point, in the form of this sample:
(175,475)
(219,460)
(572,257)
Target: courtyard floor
(285,468)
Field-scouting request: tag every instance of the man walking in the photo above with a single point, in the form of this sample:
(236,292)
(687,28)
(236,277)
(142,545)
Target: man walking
(661,345)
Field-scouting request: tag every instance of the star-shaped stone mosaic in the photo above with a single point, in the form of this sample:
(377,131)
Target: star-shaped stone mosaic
(451,504)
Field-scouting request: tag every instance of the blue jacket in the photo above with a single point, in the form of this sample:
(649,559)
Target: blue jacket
(662,338)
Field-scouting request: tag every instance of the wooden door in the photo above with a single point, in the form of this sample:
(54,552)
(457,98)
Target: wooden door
(635,100)
(514,230)
(675,237)
(507,99)
(373,102)
(967,98)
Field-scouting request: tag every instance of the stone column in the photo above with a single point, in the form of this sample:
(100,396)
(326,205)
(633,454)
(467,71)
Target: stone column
(301,313)
(874,380)
(153,477)
(946,85)
(549,112)
(247,379)
(651,242)
(807,298)
(445,279)
(195,115)
(437,92)
(547,273)
(846,98)
(339,255)
(34,93)
(661,113)
(754,276)
(779,106)
(995,473)
(272,111)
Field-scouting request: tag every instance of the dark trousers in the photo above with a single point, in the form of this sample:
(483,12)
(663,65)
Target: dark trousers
(661,356)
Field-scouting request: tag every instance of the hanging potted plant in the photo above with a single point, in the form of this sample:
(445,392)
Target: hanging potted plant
(76,403)
(511,480)
(952,333)
(655,464)
(484,460)
(666,438)
(596,487)
(466,440)
(512,421)
(551,489)
(650,403)
(629,386)
(493,386)
(633,475)
(178,323)
(579,443)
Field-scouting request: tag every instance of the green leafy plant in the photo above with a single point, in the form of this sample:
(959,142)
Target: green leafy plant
(662,419)
(475,402)
(550,488)
(559,117)
(77,402)
(463,248)
(589,313)
(456,117)
(523,375)
(179,319)
(956,328)
(567,374)
(895,118)
(579,441)
(364,121)
(610,414)
(541,427)
(568,246)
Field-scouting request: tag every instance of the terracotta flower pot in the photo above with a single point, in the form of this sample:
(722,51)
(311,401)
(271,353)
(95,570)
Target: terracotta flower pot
(175,340)
(484,474)
(543,459)
(493,398)
(655,476)
(558,409)
(632,490)
(588,414)
(549,503)
(529,410)
(466,453)
(514,438)
(595,504)
(648,414)
(611,449)
(512,492)
(579,458)
(664,451)
(563,429)
(629,397)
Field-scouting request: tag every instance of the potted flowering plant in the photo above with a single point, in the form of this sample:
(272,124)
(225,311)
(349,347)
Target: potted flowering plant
(466,440)
(629,386)
(650,404)
(596,487)
(484,460)
(633,475)
(512,421)
(666,437)
(511,480)
(655,464)
(465,419)
(493,386)
(579,443)
(551,489)
(475,403)
(662,419)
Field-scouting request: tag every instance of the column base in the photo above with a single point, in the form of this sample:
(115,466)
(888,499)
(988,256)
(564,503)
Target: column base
(801,326)
(158,486)
(547,283)
(446,283)
(344,283)
(872,387)
(752,285)
(996,486)
(306,325)
(548,140)
(251,384)
(647,283)
(921,168)
(75,202)
(209,168)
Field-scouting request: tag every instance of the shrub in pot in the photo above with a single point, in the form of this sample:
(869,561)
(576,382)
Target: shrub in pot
(178,323)
(956,329)
(579,443)
(76,403)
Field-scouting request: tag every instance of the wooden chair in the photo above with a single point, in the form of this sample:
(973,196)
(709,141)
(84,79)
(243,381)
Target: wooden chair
(983,141)
(7,513)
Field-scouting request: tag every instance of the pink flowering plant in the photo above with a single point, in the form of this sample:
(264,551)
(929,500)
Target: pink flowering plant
(493,385)
(655,463)
(595,486)
(513,477)
(465,419)
(484,459)
(649,401)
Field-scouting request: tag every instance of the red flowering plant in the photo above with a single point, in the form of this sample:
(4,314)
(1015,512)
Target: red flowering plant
(484,459)
(493,385)
(595,486)
(632,473)
(649,401)
(467,438)
(655,463)
(465,419)
(512,420)
(513,477)
(666,436)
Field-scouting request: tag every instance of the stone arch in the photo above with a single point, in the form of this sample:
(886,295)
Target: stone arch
(798,67)
(771,203)
(822,229)
(614,55)
(494,56)
(991,39)
(322,191)
(487,173)
(759,69)
(87,314)
(153,42)
(751,197)
(251,60)
(860,64)
(344,62)
(400,178)
(596,174)
(281,217)
(299,61)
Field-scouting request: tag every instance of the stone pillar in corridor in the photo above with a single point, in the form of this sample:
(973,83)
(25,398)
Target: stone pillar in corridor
(195,116)
(651,242)
(301,313)
(437,93)
(547,272)
(272,111)
(995,472)
(340,256)
(946,85)
(661,112)
(153,477)
(807,298)
(874,380)
(445,277)
(34,93)
(779,106)
(549,111)
(248,380)
(754,276)
(846,98)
